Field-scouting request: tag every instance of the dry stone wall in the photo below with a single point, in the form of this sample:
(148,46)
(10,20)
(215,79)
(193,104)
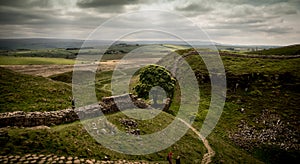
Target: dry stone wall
(29,119)
(108,105)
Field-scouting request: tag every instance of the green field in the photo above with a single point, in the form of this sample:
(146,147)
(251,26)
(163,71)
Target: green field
(7,60)
(51,53)
(272,84)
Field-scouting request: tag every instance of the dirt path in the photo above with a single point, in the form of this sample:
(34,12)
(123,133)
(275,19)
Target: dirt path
(48,70)
(210,152)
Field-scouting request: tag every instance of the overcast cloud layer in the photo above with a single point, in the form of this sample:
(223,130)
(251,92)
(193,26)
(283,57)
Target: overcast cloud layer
(229,21)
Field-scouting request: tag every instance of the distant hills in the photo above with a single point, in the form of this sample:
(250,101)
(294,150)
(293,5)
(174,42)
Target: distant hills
(287,50)
(34,43)
(46,43)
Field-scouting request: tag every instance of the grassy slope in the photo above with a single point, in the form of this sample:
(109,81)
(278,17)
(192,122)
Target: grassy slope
(22,92)
(73,140)
(239,66)
(30,93)
(285,104)
(7,60)
(287,50)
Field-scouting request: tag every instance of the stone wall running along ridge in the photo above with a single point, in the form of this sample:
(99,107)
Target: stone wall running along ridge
(108,105)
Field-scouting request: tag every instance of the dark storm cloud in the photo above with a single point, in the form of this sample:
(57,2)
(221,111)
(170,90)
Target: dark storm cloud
(241,7)
(26,3)
(35,18)
(254,26)
(29,14)
(13,16)
(255,2)
(104,3)
(194,7)
(265,18)
(77,18)
(105,6)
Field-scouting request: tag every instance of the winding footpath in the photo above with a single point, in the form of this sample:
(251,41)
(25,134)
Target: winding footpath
(207,158)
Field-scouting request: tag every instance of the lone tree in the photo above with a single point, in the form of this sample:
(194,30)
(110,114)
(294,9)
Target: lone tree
(152,76)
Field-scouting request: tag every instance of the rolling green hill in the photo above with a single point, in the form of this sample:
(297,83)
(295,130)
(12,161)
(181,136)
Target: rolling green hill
(287,50)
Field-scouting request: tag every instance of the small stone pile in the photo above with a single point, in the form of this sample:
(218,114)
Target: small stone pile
(268,129)
(130,126)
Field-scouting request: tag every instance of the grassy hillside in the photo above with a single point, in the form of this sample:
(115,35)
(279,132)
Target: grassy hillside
(73,140)
(31,93)
(257,86)
(22,92)
(240,66)
(287,50)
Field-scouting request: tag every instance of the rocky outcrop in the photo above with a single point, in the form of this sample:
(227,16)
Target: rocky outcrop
(267,129)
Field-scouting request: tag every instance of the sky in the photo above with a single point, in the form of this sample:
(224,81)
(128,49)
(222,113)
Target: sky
(247,22)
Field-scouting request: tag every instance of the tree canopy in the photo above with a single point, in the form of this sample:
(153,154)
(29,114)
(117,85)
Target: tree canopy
(152,76)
